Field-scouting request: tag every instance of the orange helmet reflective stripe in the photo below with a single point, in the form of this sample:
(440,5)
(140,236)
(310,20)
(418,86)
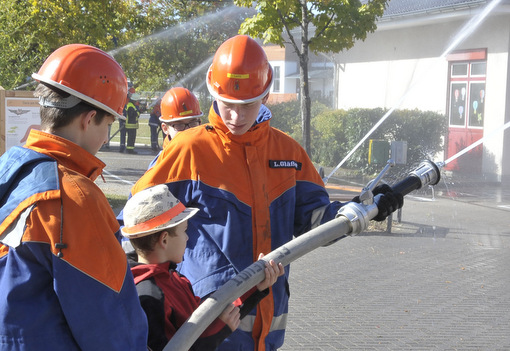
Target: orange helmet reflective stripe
(240,72)
(87,73)
(179,104)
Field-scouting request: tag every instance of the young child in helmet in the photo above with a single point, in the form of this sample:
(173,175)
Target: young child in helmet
(180,110)
(156,223)
(65,281)
(255,186)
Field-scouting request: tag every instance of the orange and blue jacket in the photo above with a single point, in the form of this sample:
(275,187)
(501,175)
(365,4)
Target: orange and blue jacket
(255,192)
(64,279)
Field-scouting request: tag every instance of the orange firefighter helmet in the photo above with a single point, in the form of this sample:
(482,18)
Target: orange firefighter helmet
(179,104)
(88,74)
(240,72)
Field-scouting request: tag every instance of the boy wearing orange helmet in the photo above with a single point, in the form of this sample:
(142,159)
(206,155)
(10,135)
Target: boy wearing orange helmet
(255,187)
(65,282)
(180,110)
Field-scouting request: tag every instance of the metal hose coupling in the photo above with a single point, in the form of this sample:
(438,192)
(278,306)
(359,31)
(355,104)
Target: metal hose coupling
(428,172)
(359,216)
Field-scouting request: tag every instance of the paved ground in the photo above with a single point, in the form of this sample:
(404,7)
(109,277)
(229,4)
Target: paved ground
(438,281)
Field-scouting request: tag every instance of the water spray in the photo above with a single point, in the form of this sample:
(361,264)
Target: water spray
(352,219)
(179,30)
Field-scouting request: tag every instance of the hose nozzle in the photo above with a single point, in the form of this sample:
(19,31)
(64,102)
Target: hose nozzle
(360,214)
(427,173)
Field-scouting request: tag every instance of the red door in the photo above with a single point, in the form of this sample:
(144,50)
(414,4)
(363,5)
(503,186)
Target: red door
(466,113)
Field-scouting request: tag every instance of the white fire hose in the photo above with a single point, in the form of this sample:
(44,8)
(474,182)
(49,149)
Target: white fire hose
(351,220)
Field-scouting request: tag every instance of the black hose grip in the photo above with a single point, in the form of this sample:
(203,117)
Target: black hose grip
(406,185)
(427,173)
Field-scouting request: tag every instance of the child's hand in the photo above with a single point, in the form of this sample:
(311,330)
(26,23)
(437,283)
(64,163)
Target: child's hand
(273,271)
(231,316)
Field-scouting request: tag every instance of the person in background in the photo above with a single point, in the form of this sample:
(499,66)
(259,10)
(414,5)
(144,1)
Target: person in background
(154,126)
(156,224)
(65,283)
(122,122)
(255,188)
(180,110)
(132,114)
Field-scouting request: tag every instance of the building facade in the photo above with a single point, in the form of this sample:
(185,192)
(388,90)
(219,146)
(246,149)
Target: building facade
(446,56)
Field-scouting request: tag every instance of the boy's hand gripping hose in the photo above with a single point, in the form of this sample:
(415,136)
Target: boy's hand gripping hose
(351,220)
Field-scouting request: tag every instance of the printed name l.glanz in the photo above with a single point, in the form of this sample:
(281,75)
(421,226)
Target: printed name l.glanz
(285,164)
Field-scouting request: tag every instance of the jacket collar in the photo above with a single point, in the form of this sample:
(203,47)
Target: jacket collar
(255,136)
(67,153)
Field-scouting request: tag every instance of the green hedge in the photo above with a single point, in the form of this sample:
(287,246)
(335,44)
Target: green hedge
(336,132)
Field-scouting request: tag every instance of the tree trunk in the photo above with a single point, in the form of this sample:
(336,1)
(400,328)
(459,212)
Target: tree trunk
(305,104)
(303,75)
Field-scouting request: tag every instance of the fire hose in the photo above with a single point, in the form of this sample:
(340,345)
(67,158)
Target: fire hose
(352,219)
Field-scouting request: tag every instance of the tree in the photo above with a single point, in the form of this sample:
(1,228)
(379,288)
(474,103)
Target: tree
(31,29)
(325,26)
(157,42)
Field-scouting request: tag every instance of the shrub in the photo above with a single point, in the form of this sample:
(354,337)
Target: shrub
(335,133)
(287,117)
(422,130)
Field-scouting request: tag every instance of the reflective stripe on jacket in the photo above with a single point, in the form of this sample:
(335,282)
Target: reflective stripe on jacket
(85,300)
(255,192)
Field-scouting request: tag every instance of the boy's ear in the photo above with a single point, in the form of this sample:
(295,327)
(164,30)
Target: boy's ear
(163,238)
(164,128)
(87,118)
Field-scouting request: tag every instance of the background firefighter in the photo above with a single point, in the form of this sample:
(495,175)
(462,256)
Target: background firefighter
(132,114)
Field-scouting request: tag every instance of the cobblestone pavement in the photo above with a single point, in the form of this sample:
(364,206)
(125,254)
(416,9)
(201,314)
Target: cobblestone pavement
(438,281)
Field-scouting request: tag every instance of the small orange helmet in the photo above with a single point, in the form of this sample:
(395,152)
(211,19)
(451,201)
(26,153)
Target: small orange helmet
(88,74)
(240,72)
(179,104)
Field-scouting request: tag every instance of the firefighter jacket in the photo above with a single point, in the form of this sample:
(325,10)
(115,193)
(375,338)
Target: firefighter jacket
(65,283)
(132,115)
(255,192)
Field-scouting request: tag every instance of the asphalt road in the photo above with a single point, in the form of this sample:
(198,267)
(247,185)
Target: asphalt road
(438,281)
(122,170)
